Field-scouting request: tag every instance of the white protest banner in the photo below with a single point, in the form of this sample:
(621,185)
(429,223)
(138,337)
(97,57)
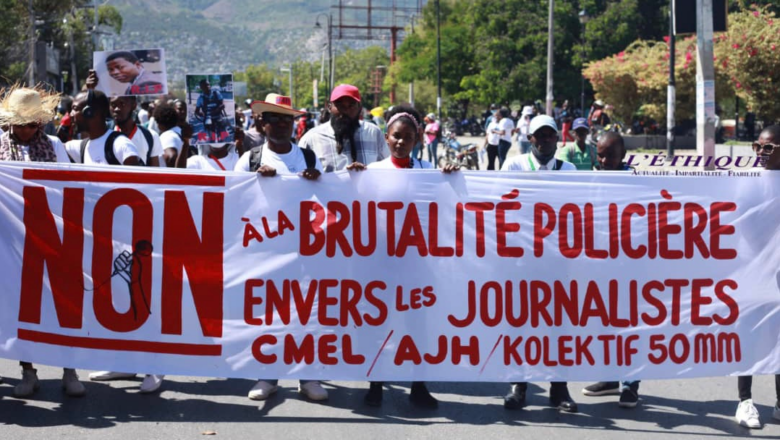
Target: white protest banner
(391,275)
(134,72)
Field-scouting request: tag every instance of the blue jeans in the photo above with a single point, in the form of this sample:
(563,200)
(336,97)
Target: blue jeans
(433,148)
(503,149)
(417,151)
(632,384)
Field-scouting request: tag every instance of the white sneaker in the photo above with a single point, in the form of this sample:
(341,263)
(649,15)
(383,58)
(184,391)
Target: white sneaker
(262,390)
(151,383)
(313,390)
(71,384)
(29,384)
(776,412)
(99,376)
(747,415)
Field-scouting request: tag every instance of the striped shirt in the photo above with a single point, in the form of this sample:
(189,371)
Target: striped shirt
(372,146)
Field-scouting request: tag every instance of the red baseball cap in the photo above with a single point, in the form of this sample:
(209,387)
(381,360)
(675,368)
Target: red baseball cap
(345,90)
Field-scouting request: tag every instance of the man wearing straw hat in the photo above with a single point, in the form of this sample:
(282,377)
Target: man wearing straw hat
(25,111)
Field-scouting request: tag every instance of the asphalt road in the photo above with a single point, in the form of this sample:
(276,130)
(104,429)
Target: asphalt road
(190,407)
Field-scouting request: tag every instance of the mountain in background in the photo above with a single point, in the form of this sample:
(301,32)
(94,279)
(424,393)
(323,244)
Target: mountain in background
(203,36)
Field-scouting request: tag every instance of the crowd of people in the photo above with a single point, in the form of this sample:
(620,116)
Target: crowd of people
(116,131)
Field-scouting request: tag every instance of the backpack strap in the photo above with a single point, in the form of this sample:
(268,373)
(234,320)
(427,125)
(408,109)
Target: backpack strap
(83,148)
(310,157)
(149,141)
(255,158)
(109,148)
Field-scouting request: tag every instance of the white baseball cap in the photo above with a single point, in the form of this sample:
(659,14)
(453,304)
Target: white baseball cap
(542,121)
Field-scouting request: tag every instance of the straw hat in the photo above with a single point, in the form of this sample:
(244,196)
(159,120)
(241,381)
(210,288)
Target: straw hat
(275,104)
(22,106)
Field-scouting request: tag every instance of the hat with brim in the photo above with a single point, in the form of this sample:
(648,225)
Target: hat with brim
(541,121)
(275,103)
(22,106)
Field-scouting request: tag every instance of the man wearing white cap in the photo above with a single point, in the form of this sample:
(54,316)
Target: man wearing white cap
(346,142)
(544,142)
(543,135)
(523,124)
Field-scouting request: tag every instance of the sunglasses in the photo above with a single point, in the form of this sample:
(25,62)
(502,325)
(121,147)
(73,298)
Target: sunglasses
(275,119)
(766,148)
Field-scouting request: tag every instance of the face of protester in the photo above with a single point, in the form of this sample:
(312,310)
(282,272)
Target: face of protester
(205,87)
(401,138)
(122,70)
(610,153)
(768,149)
(181,111)
(122,109)
(581,134)
(345,107)
(75,112)
(546,140)
(277,127)
(24,133)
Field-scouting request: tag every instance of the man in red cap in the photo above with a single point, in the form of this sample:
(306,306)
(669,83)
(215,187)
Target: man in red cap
(346,142)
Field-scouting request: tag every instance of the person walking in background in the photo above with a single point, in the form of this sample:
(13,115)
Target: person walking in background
(566,119)
(582,153)
(432,129)
(506,127)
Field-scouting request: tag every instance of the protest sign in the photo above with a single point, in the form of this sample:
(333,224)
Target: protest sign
(391,275)
(131,72)
(211,108)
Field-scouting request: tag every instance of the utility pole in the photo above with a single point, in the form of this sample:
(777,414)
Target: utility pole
(550,27)
(671,94)
(31,69)
(438,61)
(705,83)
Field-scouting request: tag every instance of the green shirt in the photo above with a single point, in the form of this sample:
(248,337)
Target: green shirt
(583,160)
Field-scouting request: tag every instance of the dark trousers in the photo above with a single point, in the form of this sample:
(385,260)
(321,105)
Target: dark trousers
(554,386)
(745,383)
(492,151)
(503,149)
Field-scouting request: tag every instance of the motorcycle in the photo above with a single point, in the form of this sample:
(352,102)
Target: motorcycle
(463,155)
(475,127)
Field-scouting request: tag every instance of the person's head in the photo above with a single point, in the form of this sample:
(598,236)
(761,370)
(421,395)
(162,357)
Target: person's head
(345,110)
(543,135)
(205,87)
(145,105)
(504,112)
(276,117)
(403,130)
(767,147)
(581,129)
(65,104)
(598,104)
(24,111)
(98,109)
(123,66)
(166,117)
(611,151)
(181,110)
(122,108)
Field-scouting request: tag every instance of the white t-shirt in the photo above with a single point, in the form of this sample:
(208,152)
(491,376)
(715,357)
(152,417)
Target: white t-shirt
(143,116)
(56,143)
(95,153)
(387,164)
(493,138)
(528,162)
(172,139)
(507,125)
(208,163)
(139,140)
(292,162)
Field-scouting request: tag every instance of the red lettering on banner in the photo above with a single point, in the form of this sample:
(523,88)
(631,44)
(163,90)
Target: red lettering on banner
(590,235)
(250,301)
(302,353)
(102,257)
(200,255)
(412,234)
(361,249)
(312,234)
(503,227)
(433,233)
(62,258)
(479,209)
(728,301)
(575,249)
(717,230)
(541,228)
(257,349)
